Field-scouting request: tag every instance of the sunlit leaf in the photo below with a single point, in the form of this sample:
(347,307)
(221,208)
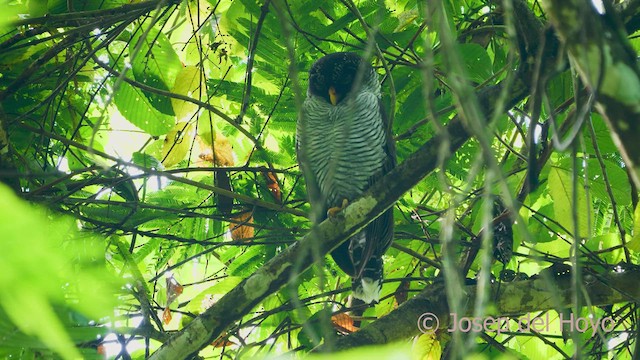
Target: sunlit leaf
(561,188)
(177,143)
(34,277)
(136,108)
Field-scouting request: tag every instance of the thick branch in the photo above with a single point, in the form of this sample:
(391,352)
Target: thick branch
(515,299)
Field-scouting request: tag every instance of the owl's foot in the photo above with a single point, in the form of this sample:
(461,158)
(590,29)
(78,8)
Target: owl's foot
(332,212)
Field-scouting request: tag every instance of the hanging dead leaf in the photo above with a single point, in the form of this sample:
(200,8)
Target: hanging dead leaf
(222,151)
(222,341)
(402,292)
(220,154)
(207,157)
(206,153)
(272,185)
(174,289)
(166,316)
(343,323)
(241,227)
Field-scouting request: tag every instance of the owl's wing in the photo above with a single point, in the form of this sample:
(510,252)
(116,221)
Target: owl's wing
(379,233)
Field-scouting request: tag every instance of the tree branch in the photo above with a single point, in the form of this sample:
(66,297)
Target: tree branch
(71,18)
(515,298)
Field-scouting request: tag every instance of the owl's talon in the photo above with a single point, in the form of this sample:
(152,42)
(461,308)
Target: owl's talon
(332,212)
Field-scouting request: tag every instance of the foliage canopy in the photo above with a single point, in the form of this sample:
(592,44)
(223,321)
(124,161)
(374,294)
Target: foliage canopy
(166,129)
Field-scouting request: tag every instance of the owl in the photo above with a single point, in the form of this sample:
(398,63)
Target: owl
(344,146)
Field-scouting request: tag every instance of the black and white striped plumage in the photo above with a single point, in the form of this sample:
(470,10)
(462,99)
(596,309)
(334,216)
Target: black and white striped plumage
(344,146)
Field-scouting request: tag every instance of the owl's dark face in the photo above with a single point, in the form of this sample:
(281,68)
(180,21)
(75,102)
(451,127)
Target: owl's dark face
(333,76)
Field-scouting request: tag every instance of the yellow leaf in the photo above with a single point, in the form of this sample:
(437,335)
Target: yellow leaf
(220,154)
(241,228)
(188,83)
(426,347)
(177,144)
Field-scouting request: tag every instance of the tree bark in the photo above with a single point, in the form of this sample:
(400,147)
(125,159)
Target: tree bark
(514,299)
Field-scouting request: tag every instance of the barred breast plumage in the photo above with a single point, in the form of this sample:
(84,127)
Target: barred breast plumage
(346,145)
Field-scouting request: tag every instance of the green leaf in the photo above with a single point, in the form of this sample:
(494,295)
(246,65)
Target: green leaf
(427,346)
(59,263)
(634,244)
(314,329)
(540,233)
(247,262)
(603,242)
(561,191)
(155,64)
(137,108)
(146,160)
(618,182)
(10,13)
(476,61)
(603,137)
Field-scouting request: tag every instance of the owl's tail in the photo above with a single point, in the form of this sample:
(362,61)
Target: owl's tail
(367,286)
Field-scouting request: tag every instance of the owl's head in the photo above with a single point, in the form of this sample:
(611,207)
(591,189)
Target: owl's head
(335,76)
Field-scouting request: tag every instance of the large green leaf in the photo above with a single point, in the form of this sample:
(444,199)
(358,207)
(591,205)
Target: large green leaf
(33,278)
(476,61)
(154,63)
(561,187)
(137,108)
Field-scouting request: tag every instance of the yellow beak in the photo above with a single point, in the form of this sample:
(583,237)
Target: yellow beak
(333,96)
